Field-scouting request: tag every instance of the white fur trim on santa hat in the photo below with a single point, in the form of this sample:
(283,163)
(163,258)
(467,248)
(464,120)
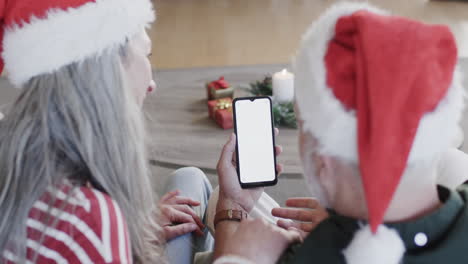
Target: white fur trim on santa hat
(335,127)
(66,36)
(383,247)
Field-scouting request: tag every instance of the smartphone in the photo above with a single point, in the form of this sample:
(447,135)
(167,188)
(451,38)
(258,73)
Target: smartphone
(255,142)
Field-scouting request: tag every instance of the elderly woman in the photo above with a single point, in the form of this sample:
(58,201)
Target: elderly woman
(74,184)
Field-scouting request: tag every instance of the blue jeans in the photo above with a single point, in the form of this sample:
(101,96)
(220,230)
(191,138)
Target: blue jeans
(192,183)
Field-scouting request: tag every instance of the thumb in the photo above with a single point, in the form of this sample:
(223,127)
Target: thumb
(295,235)
(228,150)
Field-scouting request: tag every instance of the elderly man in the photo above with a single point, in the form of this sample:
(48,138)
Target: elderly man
(379,99)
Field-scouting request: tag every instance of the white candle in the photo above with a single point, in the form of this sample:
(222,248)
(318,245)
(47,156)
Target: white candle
(283,86)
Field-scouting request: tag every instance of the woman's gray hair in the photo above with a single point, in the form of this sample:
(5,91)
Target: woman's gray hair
(83,125)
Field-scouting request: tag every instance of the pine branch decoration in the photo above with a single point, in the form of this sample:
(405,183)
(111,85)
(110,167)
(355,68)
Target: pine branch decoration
(283,113)
(262,88)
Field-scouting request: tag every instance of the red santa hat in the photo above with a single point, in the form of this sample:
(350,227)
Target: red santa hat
(40,36)
(383,92)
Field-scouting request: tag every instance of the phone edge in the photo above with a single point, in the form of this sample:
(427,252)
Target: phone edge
(255,184)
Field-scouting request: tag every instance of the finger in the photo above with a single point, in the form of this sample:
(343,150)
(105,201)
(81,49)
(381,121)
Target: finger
(180,217)
(278,150)
(294,214)
(294,235)
(304,226)
(228,151)
(276,131)
(179,230)
(186,209)
(291,234)
(234,159)
(169,195)
(177,216)
(303,202)
(285,223)
(185,200)
(279,168)
(301,233)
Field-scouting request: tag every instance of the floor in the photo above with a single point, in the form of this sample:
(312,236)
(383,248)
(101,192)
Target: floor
(202,33)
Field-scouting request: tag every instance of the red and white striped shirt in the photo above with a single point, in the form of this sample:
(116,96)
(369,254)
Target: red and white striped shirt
(90,229)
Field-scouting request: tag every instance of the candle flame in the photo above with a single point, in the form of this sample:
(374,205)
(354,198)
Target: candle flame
(284,71)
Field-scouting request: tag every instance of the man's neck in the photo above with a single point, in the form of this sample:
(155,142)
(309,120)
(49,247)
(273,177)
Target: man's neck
(415,197)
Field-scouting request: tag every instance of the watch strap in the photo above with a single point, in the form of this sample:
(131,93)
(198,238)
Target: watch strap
(230,215)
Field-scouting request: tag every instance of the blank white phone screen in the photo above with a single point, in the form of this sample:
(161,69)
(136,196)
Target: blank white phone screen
(255,141)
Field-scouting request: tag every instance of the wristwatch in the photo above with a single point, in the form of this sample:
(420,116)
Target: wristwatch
(230,215)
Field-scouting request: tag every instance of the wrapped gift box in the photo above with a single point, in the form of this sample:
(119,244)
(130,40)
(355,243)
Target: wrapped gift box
(219,89)
(220,110)
(224,118)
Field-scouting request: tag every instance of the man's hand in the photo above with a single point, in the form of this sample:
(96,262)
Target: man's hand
(177,216)
(259,241)
(306,210)
(231,195)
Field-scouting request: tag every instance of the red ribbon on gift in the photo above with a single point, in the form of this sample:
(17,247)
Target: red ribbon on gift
(219,84)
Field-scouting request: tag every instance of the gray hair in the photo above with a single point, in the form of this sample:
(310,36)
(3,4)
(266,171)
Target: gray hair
(79,124)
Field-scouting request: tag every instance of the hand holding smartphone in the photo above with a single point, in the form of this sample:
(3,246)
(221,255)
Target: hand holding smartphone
(255,142)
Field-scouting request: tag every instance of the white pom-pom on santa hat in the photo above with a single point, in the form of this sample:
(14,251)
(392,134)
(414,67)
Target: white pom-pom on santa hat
(383,247)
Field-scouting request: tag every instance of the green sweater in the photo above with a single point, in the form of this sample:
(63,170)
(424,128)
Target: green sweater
(446,230)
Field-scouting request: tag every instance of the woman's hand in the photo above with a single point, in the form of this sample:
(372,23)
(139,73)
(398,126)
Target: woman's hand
(231,195)
(306,210)
(177,216)
(259,241)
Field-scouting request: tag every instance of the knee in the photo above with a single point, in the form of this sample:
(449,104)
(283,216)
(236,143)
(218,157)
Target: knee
(189,172)
(193,175)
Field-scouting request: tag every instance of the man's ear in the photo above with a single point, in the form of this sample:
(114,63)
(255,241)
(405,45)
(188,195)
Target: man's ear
(328,162)
(321,174)
(326,173)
